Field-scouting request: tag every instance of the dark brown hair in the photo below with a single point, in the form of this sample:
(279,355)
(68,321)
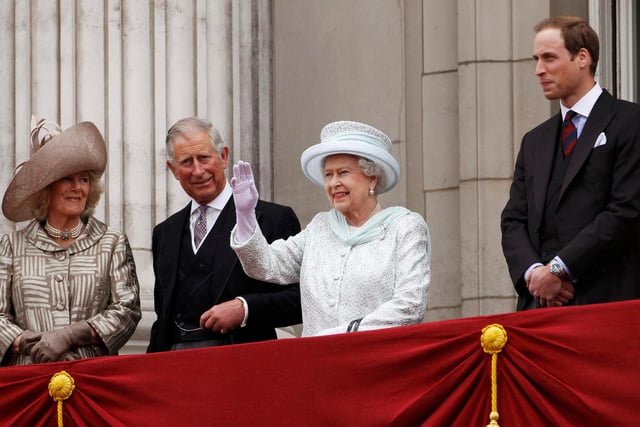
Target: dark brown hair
(577,34)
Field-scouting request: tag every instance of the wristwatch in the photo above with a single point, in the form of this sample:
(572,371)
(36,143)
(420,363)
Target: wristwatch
(557,269)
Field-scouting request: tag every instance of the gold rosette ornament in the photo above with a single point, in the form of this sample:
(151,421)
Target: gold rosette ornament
(61,387)
(493,340)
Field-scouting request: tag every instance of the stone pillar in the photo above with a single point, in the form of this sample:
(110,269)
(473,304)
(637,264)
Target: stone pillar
(441,151)
(499,100)
(134,68)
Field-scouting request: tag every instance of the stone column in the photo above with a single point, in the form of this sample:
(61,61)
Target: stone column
(134,68)
(498,102)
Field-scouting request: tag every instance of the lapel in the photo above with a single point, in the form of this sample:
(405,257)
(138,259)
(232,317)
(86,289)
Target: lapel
(598,120)
(543,151)
(217,245)
(169,252)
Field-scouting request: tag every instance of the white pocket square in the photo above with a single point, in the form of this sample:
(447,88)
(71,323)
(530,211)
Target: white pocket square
(601,140)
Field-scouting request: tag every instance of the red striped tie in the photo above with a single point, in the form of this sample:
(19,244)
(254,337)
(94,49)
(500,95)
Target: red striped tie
(569,133)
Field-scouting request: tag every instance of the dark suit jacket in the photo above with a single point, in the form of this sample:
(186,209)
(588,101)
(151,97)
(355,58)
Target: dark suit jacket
(598,210)
(270,305)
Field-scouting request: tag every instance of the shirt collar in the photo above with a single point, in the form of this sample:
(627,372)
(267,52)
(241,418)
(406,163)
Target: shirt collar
(585,104)
(219,202)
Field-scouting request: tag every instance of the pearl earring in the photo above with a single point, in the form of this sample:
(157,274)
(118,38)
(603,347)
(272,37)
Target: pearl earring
(371,192)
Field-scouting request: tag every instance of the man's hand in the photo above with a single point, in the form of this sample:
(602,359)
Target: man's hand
(544,286)
(567,293)
(223,317)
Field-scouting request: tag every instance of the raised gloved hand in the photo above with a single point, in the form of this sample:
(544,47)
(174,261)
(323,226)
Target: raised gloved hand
(54,344)
(28,339)
(245,196)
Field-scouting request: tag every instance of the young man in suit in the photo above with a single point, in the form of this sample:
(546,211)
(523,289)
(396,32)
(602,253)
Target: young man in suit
(202,296)
(570,230)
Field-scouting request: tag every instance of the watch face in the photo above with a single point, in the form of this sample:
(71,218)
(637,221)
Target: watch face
(556,269)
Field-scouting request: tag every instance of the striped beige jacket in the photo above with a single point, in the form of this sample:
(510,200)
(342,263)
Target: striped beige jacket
(45,287)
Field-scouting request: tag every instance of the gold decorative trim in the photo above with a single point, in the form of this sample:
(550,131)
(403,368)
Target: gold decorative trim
(61,387)
(493,340)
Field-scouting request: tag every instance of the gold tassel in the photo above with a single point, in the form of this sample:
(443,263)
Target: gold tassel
(60,388)
(493,340)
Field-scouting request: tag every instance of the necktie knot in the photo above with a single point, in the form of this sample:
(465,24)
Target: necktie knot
(200,227)
(569,133)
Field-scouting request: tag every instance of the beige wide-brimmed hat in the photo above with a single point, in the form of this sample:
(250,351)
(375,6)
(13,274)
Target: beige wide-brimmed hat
(54,155)
(358,139)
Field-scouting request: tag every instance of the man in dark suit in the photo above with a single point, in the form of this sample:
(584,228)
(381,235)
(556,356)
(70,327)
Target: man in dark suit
(202,296)
(570,230)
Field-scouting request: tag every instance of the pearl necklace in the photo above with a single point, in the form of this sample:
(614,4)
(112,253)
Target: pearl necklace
(63,234)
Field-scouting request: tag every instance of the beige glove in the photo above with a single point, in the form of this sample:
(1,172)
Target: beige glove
(54,344)
(28,340)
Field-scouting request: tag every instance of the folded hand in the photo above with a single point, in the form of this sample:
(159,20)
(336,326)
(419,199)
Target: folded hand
(54,344)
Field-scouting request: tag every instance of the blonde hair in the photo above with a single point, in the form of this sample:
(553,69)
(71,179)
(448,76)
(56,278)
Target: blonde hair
(39,202)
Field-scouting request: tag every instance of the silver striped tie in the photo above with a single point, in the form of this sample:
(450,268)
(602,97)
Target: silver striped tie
(200,228)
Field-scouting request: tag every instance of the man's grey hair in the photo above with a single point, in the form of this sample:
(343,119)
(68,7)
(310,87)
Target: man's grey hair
(189,126)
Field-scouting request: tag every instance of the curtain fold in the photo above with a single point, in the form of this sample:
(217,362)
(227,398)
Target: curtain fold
(563,366)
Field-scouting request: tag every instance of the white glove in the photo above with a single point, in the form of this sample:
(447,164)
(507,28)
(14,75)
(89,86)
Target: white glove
(245,196)
(332,331)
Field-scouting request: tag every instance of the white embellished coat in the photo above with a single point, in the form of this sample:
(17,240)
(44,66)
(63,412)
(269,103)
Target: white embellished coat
(45,287)
(384,281)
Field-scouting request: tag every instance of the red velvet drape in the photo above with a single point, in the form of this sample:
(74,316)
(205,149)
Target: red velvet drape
(560,367)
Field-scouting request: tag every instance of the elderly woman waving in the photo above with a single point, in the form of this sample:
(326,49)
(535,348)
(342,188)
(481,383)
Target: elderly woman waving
(68,284)
(360,266)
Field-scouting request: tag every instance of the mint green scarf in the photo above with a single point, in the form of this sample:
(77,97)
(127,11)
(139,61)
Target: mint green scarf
(370,230)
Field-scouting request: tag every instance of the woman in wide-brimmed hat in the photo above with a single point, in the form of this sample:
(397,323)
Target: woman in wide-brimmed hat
(359,266)
(68,284)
